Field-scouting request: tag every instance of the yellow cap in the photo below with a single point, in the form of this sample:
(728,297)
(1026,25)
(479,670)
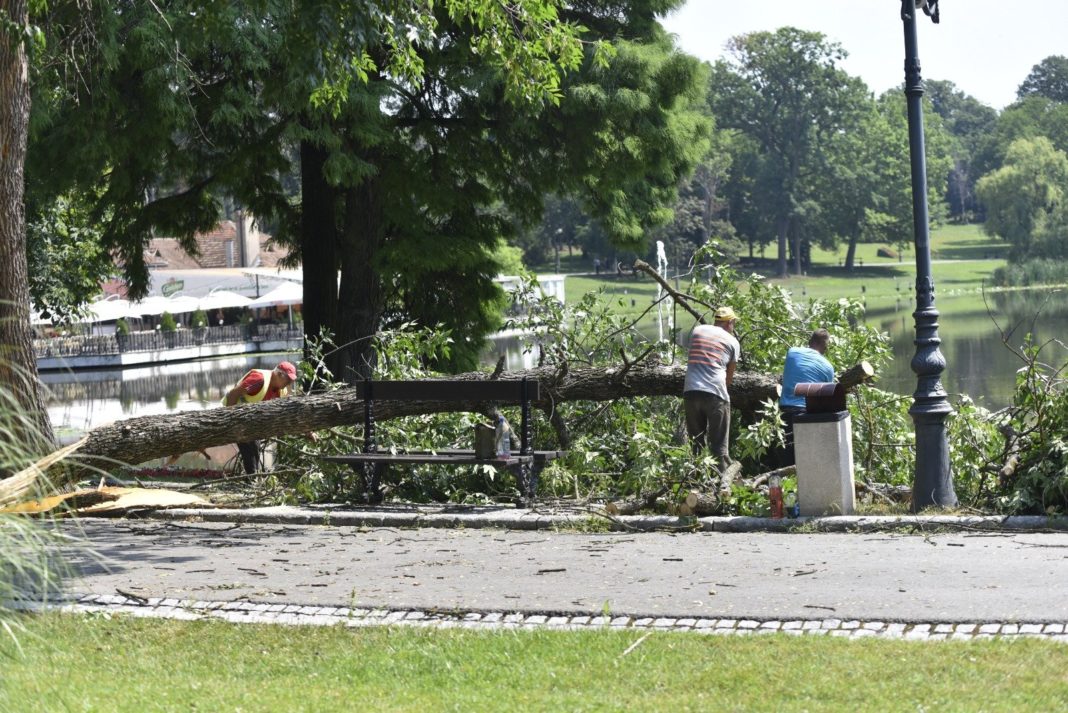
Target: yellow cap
(724,314)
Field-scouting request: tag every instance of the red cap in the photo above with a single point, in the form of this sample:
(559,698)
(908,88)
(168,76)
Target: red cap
(288,369)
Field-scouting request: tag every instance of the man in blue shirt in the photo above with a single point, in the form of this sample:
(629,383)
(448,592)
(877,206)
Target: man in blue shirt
(803,365)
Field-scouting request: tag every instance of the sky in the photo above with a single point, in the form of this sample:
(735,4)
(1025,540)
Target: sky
(985,47)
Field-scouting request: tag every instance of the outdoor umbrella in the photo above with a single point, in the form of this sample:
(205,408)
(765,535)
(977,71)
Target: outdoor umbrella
(158,305)
(221,299)
(109,309)
(286,294)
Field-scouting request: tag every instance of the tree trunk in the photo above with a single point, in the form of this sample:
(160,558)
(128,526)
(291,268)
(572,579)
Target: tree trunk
(137,440)
(318,245)
(361,299)
(795,239)
(851,252)
(18,366)
(783,224)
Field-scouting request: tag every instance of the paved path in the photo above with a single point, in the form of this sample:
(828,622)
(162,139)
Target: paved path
(966,578)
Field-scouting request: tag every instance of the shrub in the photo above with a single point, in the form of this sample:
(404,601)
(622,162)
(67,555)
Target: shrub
(200,319)
(167,323)
(122,327)
(1040,271)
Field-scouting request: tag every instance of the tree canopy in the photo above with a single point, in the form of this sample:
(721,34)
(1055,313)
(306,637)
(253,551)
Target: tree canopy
(421,134)
(1048,78)
(1026,199)
(785,91)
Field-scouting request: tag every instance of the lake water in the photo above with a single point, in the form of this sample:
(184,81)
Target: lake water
(82,400)
(978,364)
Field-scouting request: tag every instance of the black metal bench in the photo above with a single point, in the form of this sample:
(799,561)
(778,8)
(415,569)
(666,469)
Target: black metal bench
(371,465)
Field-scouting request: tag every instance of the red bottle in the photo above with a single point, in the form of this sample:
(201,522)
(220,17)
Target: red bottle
(775,496)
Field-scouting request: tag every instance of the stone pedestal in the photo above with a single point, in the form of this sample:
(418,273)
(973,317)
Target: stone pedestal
(823,444)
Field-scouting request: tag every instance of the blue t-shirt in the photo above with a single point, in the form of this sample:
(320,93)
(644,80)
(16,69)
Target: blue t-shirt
(803,365)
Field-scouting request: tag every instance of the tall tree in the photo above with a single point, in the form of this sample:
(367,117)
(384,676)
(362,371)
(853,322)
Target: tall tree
(417,146)
(972,125)
(18,368)
(785,90)
(1048,78)
(866,190)
(1026,200)
(1029,118)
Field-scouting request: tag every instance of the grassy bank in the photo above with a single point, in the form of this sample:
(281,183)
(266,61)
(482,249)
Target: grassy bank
(964,259)
(78,663)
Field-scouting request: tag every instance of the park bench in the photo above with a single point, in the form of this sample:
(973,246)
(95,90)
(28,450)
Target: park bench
(372,464)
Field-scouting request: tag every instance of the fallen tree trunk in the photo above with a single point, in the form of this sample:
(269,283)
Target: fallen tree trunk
(137,440)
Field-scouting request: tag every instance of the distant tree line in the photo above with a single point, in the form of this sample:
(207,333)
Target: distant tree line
(803,154)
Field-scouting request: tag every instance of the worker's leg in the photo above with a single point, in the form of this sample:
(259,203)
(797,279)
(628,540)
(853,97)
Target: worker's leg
(250,456)
(719,430)
(693,403)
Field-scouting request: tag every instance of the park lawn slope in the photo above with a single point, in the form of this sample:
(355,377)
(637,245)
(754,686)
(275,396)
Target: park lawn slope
(115,663)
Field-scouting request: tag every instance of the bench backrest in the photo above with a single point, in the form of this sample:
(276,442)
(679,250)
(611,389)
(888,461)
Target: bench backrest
(444,390)
(521,392)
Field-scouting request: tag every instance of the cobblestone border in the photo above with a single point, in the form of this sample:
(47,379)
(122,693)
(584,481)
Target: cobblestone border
(243,612)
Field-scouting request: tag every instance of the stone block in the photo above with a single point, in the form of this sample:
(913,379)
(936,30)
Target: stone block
(824,456)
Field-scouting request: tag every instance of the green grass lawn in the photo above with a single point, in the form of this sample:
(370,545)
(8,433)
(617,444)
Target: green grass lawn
(964,258)
(76,663)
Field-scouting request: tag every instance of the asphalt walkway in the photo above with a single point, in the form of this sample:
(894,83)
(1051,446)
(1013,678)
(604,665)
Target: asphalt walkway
(939,583)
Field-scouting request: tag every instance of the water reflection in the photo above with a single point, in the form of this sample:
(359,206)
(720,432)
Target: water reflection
(978,363)
(82,400)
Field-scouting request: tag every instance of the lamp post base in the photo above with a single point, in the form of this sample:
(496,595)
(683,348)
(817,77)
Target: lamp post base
(933,481)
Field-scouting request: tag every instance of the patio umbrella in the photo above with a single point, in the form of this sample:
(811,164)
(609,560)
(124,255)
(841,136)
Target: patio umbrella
(110,309)
(159,305)
(221,299)
(288,293)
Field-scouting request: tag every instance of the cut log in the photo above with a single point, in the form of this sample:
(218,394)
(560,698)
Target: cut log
(137,440)
(1008,470)
(896,494)
(633,505)
(856,375)
(701,504)
(731,473)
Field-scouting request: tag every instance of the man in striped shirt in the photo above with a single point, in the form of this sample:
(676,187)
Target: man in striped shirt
(713,355)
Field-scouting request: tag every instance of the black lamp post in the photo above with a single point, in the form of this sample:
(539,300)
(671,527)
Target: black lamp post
(933,483)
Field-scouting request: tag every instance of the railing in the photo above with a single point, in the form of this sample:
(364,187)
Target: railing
(99,345)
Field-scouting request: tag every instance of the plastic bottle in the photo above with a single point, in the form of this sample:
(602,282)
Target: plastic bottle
(502,438)
(790,501)
(775,496)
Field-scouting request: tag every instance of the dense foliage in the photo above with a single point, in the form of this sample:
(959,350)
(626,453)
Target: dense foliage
(421,134)
(632,446)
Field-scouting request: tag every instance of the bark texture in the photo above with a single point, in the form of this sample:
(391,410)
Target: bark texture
(18,366)
(318,243)
(139,439)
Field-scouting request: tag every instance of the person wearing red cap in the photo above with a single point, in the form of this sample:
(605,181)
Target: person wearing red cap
(255,386)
